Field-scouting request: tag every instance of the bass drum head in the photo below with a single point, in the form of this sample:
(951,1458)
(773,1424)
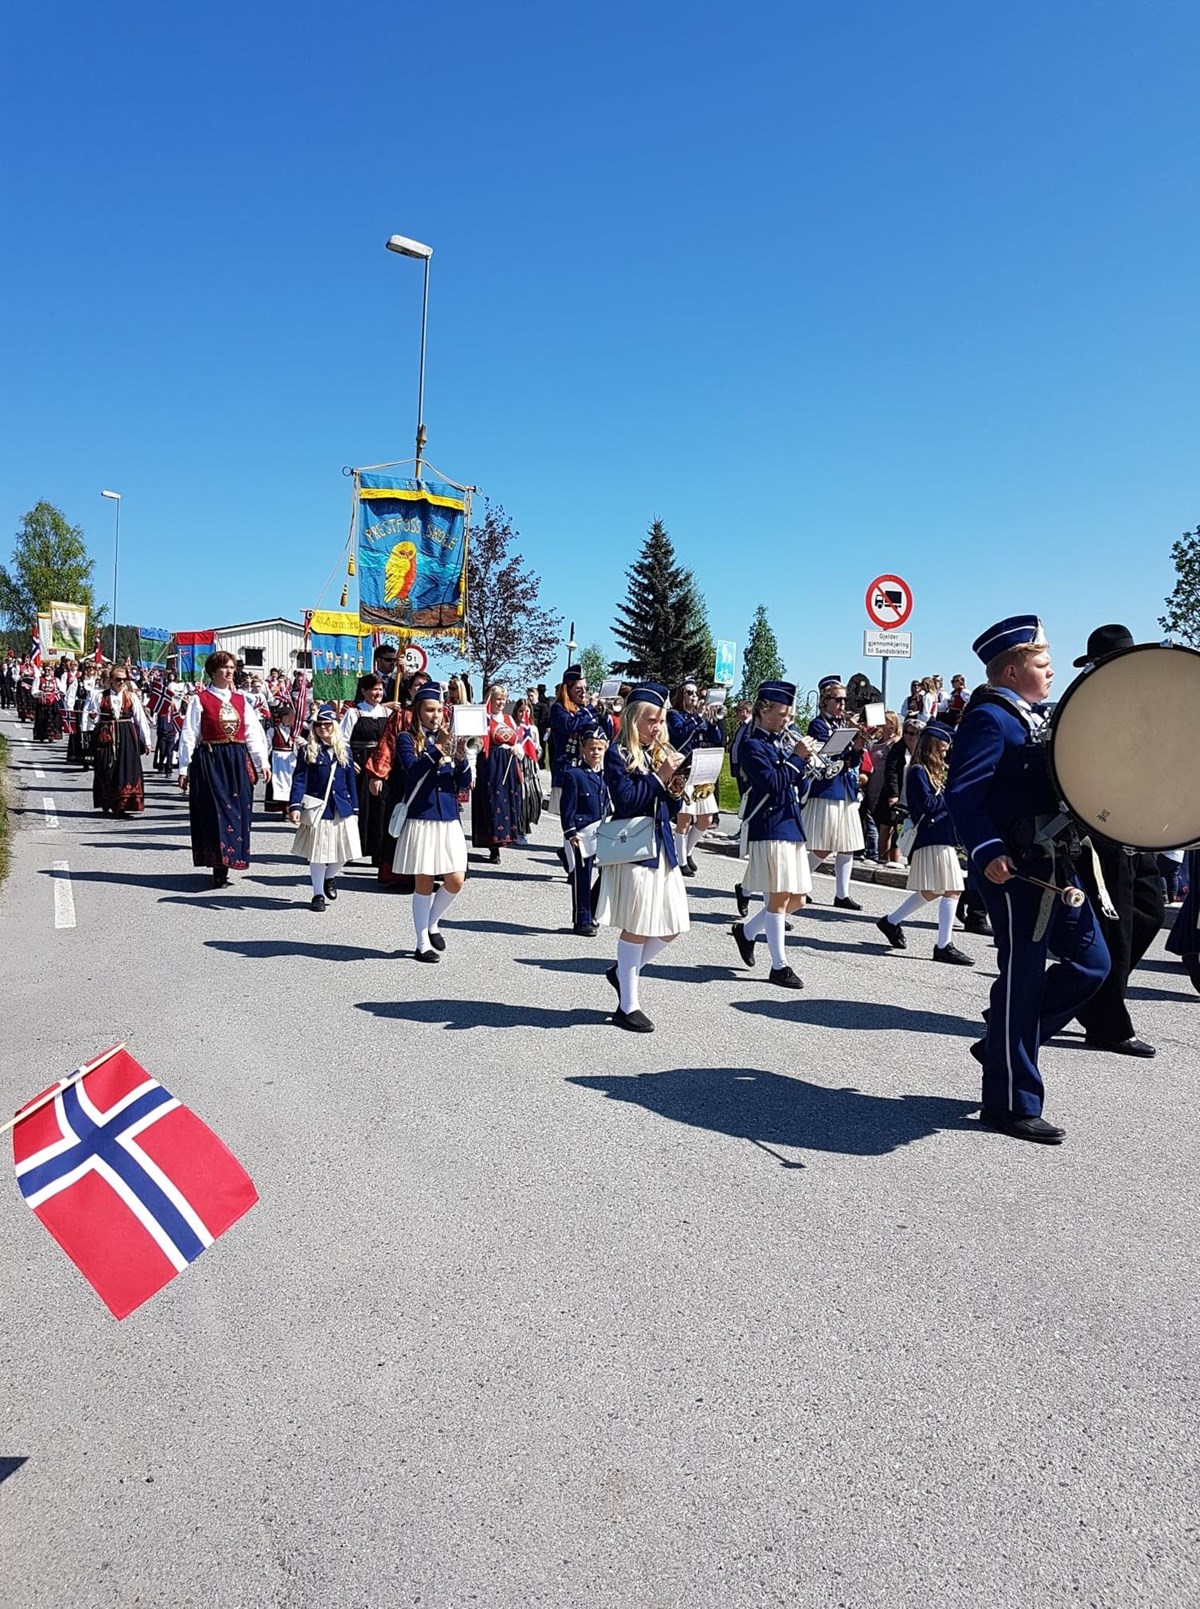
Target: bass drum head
(1123,749)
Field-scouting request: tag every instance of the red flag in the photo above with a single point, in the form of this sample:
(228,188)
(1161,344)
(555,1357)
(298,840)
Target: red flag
(131,1184)
(99,655)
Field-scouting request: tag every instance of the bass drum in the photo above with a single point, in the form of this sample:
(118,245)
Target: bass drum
(1123,749)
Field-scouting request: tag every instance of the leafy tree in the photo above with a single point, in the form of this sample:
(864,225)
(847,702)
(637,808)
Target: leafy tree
(593,664)
(760,660)
(659,626)
(1182,619)
(507,633)
(50,562)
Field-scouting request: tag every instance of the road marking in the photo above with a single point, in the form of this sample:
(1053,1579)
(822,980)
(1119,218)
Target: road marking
(40,775)
(51,813)
(64,900)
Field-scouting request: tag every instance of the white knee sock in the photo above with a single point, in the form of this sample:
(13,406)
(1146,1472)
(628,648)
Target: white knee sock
(841,875)
(333,869)
(681,839)
(650,949)
(775,938)
(946,908)
(756,924)
(420,909)
(911,904)
(693,838)
(440,901)
(316,871)
(815,860)
(629,958)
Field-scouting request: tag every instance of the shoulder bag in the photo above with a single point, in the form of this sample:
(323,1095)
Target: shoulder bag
(623,840)
(312,806)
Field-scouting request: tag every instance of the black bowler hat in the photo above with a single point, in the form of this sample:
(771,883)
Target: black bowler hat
(1103,641)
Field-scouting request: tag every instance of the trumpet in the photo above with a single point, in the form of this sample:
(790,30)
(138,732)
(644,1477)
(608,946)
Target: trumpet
(663,754)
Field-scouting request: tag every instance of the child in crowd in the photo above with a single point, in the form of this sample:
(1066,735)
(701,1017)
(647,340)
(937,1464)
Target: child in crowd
(583,806)
(327,836)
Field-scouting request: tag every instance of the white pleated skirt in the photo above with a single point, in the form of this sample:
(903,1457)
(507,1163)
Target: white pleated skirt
(777,866)
(701,801)
(328,841)
(650,901)
(935,870)
(833,827)
(430,849)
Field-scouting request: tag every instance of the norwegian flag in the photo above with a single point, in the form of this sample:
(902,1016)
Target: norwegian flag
(35,651)
(131,1184)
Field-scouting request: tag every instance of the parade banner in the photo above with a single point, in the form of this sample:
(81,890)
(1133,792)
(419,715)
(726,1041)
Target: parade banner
(335,642)
(68,629)
(45,634)
(153,643)
(412,553)
(193,648)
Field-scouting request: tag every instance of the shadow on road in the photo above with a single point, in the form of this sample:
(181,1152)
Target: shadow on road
(271,949)
(205,899)
(859,1014)
(10,1466)
(597,966)
(483,926)
(481,1014)
(181,883)
(770,1109)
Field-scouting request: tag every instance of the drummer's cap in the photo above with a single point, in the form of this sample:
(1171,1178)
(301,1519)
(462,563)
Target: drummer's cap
(827,682)
(1103,641)
(938,729)
(777,692)
(649,693)
(429,690)
(1014,632)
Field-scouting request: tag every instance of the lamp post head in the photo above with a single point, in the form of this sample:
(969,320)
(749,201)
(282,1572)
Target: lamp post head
(408,248)
(116,496)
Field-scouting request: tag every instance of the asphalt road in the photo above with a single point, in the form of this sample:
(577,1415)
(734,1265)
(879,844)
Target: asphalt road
(534,1312)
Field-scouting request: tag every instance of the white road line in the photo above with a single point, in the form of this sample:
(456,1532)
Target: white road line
(40,775)
(51,813)
(64,900)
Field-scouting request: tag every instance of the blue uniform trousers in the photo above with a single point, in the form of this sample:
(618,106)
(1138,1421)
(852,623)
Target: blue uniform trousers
(580,868)
(1030,1004)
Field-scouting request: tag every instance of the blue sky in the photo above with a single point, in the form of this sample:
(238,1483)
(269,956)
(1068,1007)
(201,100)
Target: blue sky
(832,290)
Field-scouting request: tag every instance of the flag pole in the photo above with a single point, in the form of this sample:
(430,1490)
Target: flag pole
(51,1094)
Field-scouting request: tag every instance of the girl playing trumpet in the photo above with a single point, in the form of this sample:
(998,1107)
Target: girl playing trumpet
(689,728)
(430,843)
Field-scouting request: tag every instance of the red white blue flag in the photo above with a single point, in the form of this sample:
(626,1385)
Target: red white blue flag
(131,1184)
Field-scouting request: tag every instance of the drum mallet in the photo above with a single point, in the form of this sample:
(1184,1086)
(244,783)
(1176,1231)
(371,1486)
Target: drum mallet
(1071,896)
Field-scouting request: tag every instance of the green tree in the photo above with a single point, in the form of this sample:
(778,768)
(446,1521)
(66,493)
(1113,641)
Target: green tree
(760,661)
(704,667)
(593,664)
(508,634)
(658,625)
(1182,619)
(49,562)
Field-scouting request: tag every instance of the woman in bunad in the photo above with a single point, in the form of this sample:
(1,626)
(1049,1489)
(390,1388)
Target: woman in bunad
(934,869)
(281,736)
(688,728)
(121,737)
(325,770)
(385,779)
(47,711)
(496,796)
(646,900)
(777,867)
(431,844)
(831,820)
(362,727)
(570,722)
(222,753)
(529,748)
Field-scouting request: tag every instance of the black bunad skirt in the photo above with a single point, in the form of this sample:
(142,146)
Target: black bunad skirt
(220,805)
(117,781)
(496,798)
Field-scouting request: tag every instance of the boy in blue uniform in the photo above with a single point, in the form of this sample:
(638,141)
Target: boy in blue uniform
(1001,797)
(584,805)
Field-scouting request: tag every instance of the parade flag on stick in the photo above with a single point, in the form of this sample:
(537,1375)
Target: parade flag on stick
(35,650)
(334,641)
(412,553)
(131,1184)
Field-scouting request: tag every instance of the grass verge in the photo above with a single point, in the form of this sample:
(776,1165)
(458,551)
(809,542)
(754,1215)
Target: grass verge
(4,821)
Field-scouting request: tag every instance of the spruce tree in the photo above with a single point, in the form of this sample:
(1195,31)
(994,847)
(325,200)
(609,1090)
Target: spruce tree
(760,661)
(661,626)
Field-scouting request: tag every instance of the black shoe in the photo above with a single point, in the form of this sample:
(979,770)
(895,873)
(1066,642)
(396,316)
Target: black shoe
(893,933)
(317,903)
(788,927)
(952,955)
(220,876)
(330,889)
(784,978)
(688,869)
(978,924)
(745,945)
(743,901)
(427,955)
(1122,1047)
(1023,1128)
(845,903)
(494,858)
(611,975)
(977,1050)
(691,865)
(437,941)
(585,930)
(637,1022)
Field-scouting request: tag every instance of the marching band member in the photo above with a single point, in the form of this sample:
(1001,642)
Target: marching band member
(431,844)
(997,789)
(584,806)
(386,778)
(688,728)
(832,823)
(325,770)
(222,752)
(777,867)
(496,796)
(570,721)
(934,871)
(122,736)
(1184,938)
(646,900)
(362,727)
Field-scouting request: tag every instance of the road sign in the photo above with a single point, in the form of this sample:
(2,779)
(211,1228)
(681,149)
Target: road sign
(887,644)
(414,658)
(889,602)
(726,662)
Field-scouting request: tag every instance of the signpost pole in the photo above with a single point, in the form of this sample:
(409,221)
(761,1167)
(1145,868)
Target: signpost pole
(883,680)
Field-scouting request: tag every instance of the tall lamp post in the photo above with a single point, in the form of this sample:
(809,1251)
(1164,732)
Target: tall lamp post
(116,498)
(413,248)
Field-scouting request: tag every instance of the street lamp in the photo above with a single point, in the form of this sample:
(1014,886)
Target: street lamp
(116,497)
(413,248)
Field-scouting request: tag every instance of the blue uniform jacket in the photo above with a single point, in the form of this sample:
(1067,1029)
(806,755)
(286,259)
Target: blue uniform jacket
(772,790)
(999,775)
(688,732)
(314,779)
(441,780)
(845,784)
(928,808)
(744,730)
(567,731)
(636,793)
(584,798)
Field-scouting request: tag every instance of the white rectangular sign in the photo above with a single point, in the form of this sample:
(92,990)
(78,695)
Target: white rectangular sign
(887,644)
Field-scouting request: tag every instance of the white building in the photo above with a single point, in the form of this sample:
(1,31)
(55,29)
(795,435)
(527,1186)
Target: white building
(263,644)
